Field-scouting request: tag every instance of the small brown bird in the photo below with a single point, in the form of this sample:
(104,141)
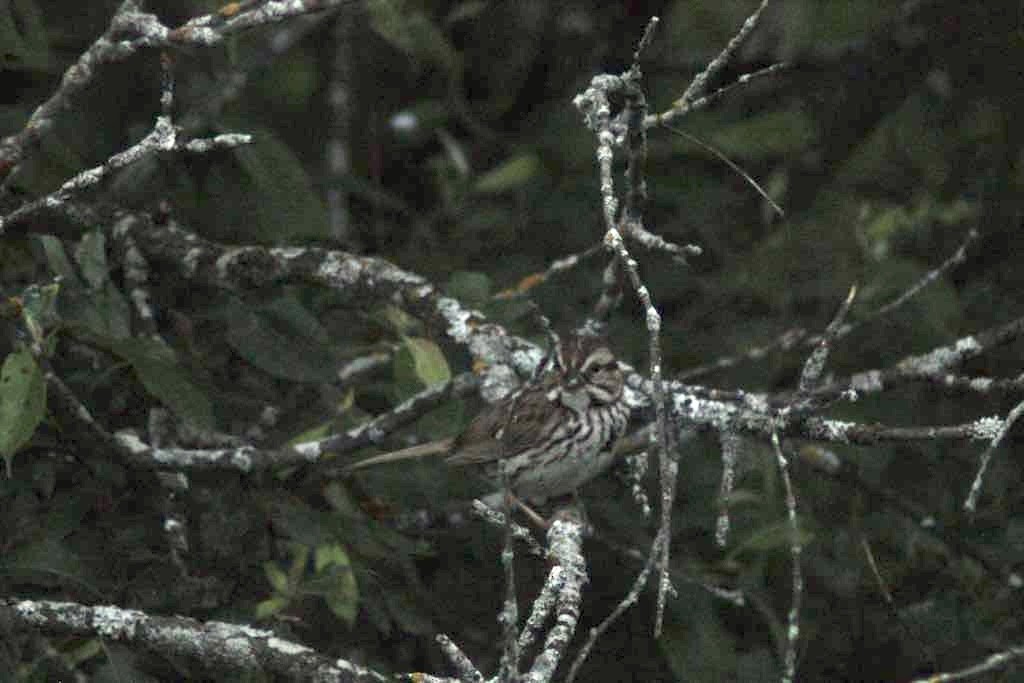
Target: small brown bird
(552,436)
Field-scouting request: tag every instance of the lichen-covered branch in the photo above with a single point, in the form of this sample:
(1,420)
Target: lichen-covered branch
(131,30)
(353,280)
(214,645)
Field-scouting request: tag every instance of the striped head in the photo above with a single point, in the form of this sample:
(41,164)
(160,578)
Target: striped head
(591,373)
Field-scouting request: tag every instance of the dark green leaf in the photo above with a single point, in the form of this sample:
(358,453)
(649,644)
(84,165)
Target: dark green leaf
(122,665)
(341,593)
(282,339)
(271,606)
(91,254)
(103,312)
(159,371)
(314,433)
(47,562)
(57,258)
(22,402)
(23,37)
(288,84)
(472,289)
(339,499)
(295,317)
(398,321)
(509,175)
(96,304)
(300,558)
(303,524)
(419,363)
(771,537)
(767,135)
(407,27)
(83,652)
(365,536)
(372,193)
(276,577)
(409,616)
(695,640)
(39,309)
(289,207)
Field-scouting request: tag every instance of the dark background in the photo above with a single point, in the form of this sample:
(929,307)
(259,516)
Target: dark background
(893,133)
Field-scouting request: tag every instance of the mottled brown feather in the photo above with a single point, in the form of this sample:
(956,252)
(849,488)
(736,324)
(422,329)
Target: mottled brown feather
(553,435)
(521,420)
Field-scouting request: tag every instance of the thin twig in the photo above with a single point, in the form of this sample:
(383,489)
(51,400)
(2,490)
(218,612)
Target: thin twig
(958,257)
(508,618)
(565,544)
(699,83)
(784,342)
(557,267)
(971,504)
(795,549)
(991,663)
(731,164)
(502,521)
(890,604)
(466,670)
(815,364)
(639,583)
(680,109)
(799,337)
(731,443)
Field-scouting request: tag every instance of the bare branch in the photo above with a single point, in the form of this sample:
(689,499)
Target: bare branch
(467,671)
(501,520)
(699,84)
(795,549)
(958,257)
(789,339)
(163,138)
(215,644)
(558,266)
(212,29)
(131,30)
(794,337)
(565,547)
(679,109)
(630,599)
(731,164)
(993,662)
(731,444)
(107,48)
(815,363)
(971,504)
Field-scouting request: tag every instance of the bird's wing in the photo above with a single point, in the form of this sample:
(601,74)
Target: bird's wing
(508,427)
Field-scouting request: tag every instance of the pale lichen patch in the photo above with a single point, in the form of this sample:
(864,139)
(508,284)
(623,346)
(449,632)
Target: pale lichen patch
(987,428)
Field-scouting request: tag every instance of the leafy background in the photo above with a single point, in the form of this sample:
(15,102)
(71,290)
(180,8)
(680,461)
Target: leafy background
(889,138)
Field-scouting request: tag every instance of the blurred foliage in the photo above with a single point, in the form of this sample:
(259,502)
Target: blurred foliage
(22,403)
(889,137)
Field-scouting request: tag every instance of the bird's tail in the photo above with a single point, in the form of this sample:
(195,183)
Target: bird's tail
(421,451)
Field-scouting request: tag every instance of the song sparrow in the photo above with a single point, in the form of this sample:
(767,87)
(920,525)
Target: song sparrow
(551,436)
